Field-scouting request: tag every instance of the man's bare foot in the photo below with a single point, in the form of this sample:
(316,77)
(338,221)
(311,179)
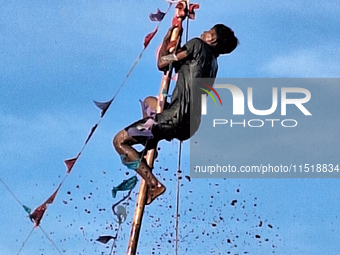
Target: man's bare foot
(154,192)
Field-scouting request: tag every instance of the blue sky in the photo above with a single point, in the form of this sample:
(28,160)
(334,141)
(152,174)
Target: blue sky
(58,56)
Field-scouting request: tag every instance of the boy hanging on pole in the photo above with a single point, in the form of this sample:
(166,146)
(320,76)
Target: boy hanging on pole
(196,59)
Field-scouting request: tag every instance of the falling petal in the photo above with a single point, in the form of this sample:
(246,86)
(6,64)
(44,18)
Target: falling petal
(149,37)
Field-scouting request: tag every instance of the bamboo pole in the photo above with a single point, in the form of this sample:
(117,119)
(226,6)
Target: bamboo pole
(141,199)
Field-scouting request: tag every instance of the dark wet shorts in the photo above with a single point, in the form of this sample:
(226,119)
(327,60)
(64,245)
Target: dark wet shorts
(159,131)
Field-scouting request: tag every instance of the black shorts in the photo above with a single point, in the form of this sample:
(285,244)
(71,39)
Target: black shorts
(161,130)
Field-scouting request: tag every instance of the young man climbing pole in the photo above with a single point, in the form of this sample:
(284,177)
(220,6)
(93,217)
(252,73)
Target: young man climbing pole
(196,59)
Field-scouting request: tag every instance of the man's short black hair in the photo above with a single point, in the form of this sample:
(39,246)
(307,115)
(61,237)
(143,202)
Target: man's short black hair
(226,40)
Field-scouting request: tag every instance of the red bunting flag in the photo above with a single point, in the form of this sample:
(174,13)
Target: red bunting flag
(103,106)
(38,213)
(50,200)
(149,37)
(70,163)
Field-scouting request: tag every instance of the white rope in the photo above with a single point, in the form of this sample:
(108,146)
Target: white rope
(179,177)
(177,194)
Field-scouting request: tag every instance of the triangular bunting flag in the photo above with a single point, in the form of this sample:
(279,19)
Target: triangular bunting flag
(91,133)
(52,197)
(130,183)
(70,163)
(27,209)
(149,37)
(121,214)
(37,215)
(104,239)
(158,16)
(103,106)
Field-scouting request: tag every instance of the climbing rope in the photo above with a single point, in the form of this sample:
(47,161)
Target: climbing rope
(179,171)
(177,194)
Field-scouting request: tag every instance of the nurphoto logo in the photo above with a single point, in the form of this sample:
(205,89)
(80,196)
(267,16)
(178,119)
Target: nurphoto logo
(238,104)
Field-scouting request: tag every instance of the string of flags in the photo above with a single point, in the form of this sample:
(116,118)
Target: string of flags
(37,215)
(127,185)
(121,215)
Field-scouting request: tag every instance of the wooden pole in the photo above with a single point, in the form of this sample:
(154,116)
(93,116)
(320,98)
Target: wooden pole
(164,88)
(141,199)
